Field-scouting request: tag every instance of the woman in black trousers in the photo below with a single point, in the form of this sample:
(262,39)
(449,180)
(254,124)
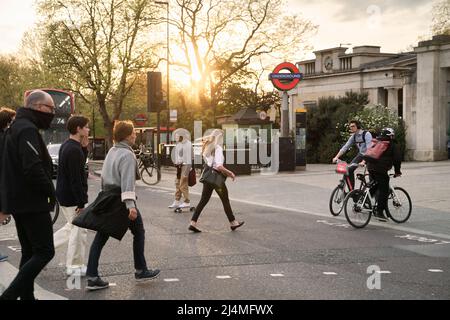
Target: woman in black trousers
(212,152)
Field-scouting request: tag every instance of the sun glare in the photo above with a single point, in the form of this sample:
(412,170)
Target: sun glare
(195,72)
(183,78)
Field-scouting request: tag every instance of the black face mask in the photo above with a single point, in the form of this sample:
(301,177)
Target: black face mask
(43,119)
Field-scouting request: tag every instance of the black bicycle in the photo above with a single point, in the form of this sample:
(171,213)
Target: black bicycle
(360,204)
(150,173)
(54,215)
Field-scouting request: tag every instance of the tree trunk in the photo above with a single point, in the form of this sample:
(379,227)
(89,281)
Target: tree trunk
(107,123)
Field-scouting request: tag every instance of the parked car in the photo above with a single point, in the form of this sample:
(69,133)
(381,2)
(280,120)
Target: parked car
(53,150)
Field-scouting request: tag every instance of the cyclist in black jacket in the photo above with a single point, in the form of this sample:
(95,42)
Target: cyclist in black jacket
(378,170)
(27,190)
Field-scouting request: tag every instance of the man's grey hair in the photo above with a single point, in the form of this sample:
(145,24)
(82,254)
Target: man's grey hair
(36,97)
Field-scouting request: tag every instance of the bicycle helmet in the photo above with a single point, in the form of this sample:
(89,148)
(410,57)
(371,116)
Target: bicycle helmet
(387,132)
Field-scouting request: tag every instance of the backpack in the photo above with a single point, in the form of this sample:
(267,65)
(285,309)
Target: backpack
(376,150)
(364,137)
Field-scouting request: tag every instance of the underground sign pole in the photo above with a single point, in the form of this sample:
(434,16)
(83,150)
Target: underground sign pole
(285,82)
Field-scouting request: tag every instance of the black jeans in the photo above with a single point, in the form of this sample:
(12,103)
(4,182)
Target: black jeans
(35,232)
(382,179)
(137,229)
(206,195)
(351,170)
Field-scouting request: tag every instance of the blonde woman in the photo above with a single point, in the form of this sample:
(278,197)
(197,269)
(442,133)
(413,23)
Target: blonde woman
(213,155)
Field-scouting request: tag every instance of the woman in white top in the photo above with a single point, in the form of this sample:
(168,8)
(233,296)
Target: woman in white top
(213,156)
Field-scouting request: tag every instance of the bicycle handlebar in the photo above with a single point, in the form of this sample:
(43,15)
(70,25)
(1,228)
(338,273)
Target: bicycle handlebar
(349,165)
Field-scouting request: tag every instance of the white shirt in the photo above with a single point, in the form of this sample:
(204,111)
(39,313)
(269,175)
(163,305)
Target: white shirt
(183,152)
(217,159)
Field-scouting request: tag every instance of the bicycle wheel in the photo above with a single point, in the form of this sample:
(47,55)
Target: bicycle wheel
(399,205)
(337,200)
(149,175)
(55,213)
(358,209)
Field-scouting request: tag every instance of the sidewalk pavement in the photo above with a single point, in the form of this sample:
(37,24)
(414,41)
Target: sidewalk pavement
(309,191)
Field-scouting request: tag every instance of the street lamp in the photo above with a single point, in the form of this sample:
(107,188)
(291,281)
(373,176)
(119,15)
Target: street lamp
(166,3)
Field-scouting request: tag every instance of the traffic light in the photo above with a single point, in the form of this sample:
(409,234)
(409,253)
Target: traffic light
(154,92)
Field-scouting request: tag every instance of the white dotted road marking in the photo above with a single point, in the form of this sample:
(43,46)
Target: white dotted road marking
(157,190)
(15,248)
(435,270)
(223,277)
(330,273)
(8,239)
(172,280)
(383,272)
(277,275)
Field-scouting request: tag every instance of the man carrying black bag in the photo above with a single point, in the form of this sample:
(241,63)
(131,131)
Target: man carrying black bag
(120,171)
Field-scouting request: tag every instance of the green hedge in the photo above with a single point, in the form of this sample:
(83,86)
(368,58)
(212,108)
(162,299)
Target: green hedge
(328,125)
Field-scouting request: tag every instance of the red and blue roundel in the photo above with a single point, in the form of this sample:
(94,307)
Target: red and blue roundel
(285,81)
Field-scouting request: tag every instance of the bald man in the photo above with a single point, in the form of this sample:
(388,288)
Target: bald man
(27,191)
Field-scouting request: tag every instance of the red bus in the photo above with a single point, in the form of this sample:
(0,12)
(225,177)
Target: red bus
(64,108)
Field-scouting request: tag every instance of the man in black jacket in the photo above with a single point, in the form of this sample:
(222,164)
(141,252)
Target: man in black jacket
(27,190)
(378,170)
(71,192)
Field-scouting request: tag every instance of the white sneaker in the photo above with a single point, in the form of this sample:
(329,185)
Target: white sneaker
(175,204)
(76,270)
(185,205)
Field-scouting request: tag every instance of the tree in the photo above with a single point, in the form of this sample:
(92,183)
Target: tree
(326,122)
(236,97)
(99,46)
(9,82)
(18,75)
(441,18)
(220,39)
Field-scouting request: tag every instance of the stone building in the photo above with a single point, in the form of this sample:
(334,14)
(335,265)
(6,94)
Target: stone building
(416,85)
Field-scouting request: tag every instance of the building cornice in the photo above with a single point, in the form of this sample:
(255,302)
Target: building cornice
(356,71)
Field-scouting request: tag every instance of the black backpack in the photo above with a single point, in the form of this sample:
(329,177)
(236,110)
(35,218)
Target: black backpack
(364,137)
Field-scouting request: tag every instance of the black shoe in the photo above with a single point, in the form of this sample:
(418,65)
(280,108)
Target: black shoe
(146,275)
(380,217)
(237,226)
(192,228)
(97,284)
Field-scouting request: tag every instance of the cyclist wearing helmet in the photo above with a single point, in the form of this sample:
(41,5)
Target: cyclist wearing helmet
(362,139)
(378,169)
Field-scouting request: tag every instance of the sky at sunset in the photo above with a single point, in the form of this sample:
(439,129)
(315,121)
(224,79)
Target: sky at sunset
(392,24)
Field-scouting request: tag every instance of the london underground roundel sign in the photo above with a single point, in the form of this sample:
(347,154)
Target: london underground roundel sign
(140,119)
(285,81)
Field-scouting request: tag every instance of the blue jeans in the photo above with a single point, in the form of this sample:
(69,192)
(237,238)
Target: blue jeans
(137,229)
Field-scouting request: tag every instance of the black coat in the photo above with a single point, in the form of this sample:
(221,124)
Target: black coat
(107,214)
(391,157)
(71,183)
(26,168)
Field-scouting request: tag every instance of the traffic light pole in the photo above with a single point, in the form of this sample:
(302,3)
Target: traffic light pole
(158,141)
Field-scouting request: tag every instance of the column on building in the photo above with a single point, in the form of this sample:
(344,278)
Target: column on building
(409,113)
(431,131)
(392,98)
